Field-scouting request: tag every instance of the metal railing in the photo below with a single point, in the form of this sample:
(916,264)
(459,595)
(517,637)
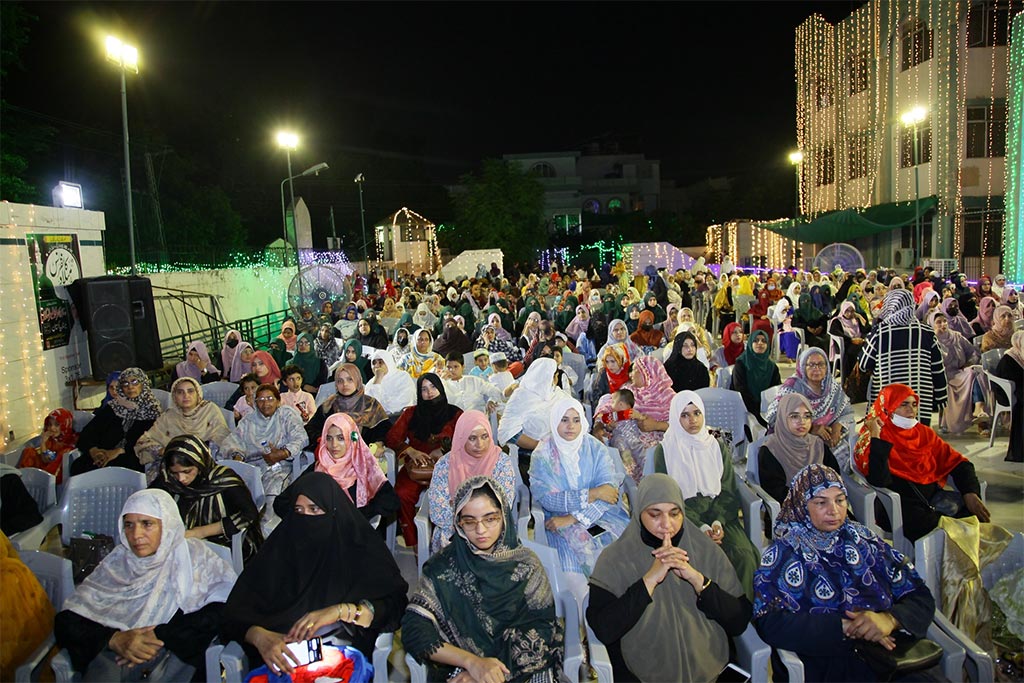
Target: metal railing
(258,331)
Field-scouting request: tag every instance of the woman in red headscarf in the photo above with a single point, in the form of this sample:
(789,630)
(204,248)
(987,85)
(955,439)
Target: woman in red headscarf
(732,343)
(897,452)
(759,314)
(58,437)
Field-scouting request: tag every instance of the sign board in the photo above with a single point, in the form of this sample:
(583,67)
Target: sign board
(55,263)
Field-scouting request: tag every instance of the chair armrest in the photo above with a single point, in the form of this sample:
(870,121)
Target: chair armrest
(753,654)
(381,651)
(62,670)
(953,654)
(793,664)
(417,671)
(773,506)
(424,531)
(237,561)
(33,537)
(540,534)
(893,507)
(862,500)
(979,663)
(23,674)
(599,658)
(213,653)
(235,663)
(751,506)
(573,647)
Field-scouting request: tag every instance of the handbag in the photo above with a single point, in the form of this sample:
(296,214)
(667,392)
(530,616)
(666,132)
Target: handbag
(420,475)
(909,656)
(855,386)
(87,552)
(943,502)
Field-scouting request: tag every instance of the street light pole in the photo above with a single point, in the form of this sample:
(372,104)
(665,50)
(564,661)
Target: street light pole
(126,57)
(913,119)
(312,170)
(362,219)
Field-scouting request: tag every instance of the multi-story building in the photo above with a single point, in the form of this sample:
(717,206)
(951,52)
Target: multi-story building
(576,183)
(906,100)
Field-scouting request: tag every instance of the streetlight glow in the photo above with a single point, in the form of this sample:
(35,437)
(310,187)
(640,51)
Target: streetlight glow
(796,157)
(122,54)
(914,116)
(287,139)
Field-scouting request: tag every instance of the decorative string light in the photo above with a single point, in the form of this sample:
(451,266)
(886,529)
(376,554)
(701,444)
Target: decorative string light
(1013,220)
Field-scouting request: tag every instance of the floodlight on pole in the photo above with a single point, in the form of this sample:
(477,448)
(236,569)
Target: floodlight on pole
(797,159)
(126,57)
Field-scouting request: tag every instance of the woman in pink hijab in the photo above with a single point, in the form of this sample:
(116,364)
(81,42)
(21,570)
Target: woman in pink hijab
(344,455)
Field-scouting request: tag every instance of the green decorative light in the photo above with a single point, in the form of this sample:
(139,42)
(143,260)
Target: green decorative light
(1013,221)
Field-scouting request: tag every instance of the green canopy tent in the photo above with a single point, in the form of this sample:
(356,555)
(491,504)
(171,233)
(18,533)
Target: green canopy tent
(849,224)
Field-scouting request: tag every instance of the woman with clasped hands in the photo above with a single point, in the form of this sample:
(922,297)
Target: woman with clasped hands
(665,587)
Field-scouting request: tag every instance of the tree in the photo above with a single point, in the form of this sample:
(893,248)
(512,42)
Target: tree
(501,206)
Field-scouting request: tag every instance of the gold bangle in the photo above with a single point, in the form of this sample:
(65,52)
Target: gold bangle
(339,611)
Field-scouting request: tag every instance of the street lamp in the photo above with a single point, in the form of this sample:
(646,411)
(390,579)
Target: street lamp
(797,159)
(359,179)
(912,119)
(288,141)
(312,170)
(127,57)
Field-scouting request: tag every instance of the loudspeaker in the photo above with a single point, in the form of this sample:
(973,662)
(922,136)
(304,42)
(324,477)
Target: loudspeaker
(106,314)
(147,338)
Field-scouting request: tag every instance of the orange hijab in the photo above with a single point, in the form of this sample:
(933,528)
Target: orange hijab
(918,454)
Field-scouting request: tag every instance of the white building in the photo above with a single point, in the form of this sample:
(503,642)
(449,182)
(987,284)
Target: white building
(576,183)
(857,80)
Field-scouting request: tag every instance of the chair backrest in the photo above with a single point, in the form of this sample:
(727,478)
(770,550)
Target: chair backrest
(724,408)
(219,392)
(92,501)
(627,481)
(81,418)
(552,567)
(164,397)
(252,477)
(753,475)
(723,377)
(229,417)
(41,485)
(54,574)
(578,363)
(928,551)
(990,359)
(742,303)
(1019,325)
(324,392)
(767,396)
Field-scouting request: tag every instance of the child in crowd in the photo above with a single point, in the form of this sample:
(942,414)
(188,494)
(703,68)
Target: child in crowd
(49,448)
(620,429)
(295,397)
(501,378)
(246,402)
(482,364)
(568,377)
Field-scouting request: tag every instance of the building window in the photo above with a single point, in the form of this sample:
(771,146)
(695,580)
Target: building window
(989,24)
(983,232)
(986,131)
(924,141)
(916,43)
(857,161)
(857,73)
(615,205)
(825,169)
(543,170)
(592,206)
(822,95)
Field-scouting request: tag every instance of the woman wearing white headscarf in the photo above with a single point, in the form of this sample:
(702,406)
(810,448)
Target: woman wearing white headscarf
(423,317)
(525,421)
(394,388)
(154,601)
(702,466)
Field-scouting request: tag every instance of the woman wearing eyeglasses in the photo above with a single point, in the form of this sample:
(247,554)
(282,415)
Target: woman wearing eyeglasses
(830,407)
(484,610)
(110,437)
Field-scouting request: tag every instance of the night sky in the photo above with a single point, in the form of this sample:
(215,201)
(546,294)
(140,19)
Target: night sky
(416,93)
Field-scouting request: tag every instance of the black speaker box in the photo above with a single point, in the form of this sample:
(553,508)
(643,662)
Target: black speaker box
(147,338)
(105,310)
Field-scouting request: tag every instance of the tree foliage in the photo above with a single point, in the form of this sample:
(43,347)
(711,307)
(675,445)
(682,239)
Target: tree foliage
(500,206)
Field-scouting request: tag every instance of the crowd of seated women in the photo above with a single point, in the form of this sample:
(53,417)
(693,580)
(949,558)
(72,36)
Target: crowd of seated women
(671,565)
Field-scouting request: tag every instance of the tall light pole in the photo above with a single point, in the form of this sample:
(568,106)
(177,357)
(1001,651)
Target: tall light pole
(797,159)
(127,57)
(312,170)
(362,219)
(288,141)
(913,119)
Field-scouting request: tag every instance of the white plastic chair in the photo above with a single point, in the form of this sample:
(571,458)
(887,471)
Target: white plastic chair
(767,396)
(55,575)
(578,363)
(232,555)
(164,398)
(92,502)
(998,407)
(836,348)
(41,485)
(990,359)
(229,417)
(218,393)
(80,419)
(325,392)
(752,518)
(252,477)
(723,377)
(724,408)
(777,343)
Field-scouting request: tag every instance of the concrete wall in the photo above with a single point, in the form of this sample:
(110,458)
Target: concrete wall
(33,381)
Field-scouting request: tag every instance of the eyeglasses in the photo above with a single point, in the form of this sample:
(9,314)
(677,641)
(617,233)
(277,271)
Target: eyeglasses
(131,382)
(817,366)
(266,399)
(802,417)
(488,521)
